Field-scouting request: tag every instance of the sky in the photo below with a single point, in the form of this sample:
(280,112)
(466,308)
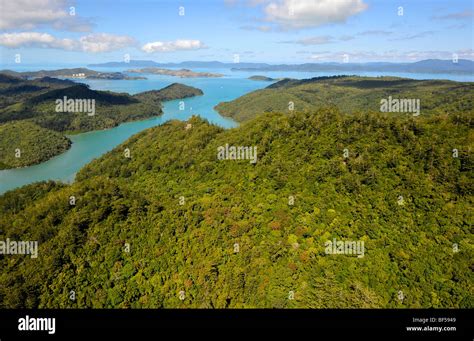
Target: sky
(272,31)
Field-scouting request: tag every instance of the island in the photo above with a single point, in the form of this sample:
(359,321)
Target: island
(182,73)
(435,66)
(262,78)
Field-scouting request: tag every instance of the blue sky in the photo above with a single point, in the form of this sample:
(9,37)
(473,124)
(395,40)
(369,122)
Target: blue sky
(273,31)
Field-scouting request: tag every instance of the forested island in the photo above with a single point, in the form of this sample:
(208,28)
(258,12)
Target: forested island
(30,105)
(171,226)
(262,78)
(182,73)
(23,143)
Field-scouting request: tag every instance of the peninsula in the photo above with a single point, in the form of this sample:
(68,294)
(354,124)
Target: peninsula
(75,73)
(30,106)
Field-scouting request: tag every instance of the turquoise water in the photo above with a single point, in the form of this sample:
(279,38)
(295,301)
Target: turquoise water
(91,145)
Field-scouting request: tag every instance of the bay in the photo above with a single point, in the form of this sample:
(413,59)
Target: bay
(91,145)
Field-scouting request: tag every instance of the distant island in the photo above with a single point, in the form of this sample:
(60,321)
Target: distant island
(75,73)
(462,66)
(182,65)
(33,131)
(262,78)
(182,73)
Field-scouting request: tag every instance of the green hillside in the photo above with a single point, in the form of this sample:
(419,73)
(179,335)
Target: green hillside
(160,229)
(171,92)
(14,89)
(32,104)
(351,94)
(261,78)
(23,143)
(39,103)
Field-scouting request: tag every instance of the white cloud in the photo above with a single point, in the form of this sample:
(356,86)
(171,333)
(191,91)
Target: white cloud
(296,14)
(35,39)
(101,42)
(389,56)
(29,14)
(466,53)
(170,46)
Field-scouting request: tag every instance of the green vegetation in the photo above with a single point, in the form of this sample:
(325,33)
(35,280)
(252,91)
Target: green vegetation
(111,109)
(23,143)
(183,73)
(135,202)
(171,92)
(351,94)
(70,73)
(34,101)
(261,78)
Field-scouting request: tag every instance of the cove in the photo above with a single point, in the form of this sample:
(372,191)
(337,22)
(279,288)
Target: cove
(91,145)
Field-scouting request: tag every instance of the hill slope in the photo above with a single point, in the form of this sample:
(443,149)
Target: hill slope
(350,94)
(173,221)
(70,73)
(171,92)
(111,109)
(32,104)
(24,143)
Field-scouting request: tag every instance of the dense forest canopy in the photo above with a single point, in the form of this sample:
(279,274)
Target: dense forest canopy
(36,100)
(169,225)
(23,143)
